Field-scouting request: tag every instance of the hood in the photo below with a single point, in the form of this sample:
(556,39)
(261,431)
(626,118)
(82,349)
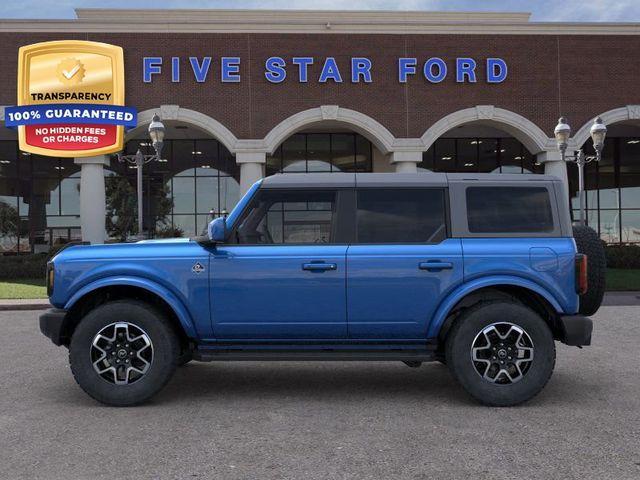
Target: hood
(165,247)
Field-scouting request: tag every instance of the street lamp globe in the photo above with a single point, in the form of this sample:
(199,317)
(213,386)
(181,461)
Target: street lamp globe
(562,133)
(598,132)
(156,133)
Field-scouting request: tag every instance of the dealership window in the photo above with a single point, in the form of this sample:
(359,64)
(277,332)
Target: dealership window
(39,200)
(321,152)
(612,190)
(200,178)
(40,196)
(482,155)
(401,215)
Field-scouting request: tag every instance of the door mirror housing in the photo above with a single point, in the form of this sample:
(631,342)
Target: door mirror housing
(217,230)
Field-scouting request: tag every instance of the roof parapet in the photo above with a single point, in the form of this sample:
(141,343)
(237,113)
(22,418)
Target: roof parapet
(298,16)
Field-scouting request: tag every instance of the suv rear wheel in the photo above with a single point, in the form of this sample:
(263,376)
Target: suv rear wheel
(122,353)
(502,353)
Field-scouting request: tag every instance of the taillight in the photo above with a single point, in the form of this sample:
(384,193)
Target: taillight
(582,283)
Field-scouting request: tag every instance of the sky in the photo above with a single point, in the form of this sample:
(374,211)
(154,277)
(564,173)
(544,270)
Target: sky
(542,10)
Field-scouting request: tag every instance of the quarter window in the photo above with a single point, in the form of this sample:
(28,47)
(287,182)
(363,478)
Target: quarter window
(289,217)
(509,210)
(401,215)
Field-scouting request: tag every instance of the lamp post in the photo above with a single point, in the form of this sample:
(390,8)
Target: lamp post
(156,133)
(562,133)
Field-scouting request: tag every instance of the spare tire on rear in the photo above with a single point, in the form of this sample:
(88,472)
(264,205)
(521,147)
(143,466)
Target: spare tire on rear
(589,243)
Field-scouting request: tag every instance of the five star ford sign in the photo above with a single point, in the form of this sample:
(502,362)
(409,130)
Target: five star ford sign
(71,99)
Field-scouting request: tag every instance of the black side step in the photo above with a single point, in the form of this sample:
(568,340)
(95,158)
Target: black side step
(211,355)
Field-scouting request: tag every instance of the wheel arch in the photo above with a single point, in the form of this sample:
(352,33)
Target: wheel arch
(510,289)
(118,288)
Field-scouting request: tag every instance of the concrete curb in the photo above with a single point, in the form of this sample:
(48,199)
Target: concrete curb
(24,304)
(621,299)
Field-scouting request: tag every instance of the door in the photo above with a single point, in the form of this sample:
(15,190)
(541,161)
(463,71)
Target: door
(282,276)
(401,264)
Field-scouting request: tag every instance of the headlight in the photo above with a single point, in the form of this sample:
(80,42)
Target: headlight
(50,278)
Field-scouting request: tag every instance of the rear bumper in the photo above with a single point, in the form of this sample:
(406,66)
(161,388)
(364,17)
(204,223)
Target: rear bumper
(51,324)
(576,330)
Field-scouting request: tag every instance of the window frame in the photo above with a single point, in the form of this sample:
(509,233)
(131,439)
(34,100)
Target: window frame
(445,204)
(460,224)
(339,219)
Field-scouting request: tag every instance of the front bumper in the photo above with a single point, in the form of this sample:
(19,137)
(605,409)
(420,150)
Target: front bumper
(52,323)
(576,330)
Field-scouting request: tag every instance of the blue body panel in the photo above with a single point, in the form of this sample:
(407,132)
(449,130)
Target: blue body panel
(547,262)
(263,292)
(390,296)
(162,267)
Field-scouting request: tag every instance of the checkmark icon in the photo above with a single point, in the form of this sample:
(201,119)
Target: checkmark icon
(71,73)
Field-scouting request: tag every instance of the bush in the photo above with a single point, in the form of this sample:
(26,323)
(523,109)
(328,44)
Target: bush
(27,266)
(623,256)
(169,232)
(23,266)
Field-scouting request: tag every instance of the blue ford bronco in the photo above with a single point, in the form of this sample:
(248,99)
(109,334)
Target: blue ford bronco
(480,272)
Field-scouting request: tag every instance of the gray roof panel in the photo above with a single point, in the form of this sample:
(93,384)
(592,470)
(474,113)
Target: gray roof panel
(497,177)
(309,180)
(421,179)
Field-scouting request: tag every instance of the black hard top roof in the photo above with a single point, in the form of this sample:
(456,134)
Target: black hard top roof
(420,179)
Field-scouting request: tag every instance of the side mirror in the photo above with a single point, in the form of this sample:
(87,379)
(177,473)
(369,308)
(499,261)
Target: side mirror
(217,230)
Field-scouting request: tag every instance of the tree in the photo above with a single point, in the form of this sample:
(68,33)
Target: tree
(9,221)
(122,207)
(122,212)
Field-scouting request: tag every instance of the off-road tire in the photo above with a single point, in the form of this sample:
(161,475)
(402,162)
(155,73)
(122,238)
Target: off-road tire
(166,350)
(589,243)
(458,351)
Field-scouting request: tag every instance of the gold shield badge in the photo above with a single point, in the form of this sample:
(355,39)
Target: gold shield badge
(72,82)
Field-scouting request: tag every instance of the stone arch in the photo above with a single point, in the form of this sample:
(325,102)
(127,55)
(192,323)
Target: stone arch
(373,130)
(197,119)
(622,114)
(527,132)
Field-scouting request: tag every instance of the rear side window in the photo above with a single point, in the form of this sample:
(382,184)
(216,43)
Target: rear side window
(401,215)
(509,210)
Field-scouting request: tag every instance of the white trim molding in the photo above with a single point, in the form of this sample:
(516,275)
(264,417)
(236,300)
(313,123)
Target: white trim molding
(531,136)
(196,21)
(200,120)
(373,130)
(622,114)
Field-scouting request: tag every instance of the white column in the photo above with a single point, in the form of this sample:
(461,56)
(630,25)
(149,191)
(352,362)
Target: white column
(251,168)
(406,162)
(553,165)
(92,198)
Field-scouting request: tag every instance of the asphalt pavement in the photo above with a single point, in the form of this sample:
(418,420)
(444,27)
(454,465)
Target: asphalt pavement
(325,421)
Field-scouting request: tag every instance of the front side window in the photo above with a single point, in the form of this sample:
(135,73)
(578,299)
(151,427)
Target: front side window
(289,217)
(401,215)
(509,210)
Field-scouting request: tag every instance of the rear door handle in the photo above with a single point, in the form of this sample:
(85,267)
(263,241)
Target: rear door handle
(435,266)
(319,267)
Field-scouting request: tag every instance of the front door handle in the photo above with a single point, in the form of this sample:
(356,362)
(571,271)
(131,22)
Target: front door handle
(319,267)
(435,266)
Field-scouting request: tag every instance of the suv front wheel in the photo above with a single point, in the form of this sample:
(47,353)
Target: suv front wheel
(502,353)
(123,352)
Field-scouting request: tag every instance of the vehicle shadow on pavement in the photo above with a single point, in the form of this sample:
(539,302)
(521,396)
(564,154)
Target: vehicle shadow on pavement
(312,380)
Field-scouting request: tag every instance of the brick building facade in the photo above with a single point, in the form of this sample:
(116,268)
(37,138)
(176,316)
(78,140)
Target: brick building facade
(230,123)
